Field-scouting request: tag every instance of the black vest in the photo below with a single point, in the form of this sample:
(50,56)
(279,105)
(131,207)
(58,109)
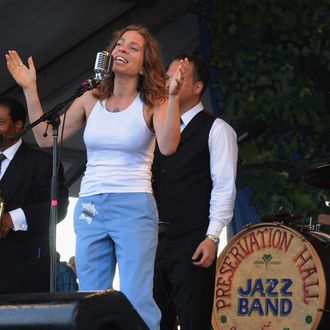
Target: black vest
(182,182)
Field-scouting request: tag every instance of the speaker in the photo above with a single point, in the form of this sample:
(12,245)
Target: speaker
(104,310)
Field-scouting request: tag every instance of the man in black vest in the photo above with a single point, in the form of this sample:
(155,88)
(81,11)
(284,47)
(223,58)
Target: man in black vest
(195,193)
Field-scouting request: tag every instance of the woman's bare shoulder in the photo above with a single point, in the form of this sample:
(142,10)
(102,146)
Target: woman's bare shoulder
(87,101)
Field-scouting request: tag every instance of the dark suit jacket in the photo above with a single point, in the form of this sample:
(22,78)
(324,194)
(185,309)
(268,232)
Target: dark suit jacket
(24,255)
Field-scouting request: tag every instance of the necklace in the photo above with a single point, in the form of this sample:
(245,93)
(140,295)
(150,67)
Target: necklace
(123,104)
(113,110)
(109,108)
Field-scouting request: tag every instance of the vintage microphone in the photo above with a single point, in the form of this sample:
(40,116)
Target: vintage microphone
(102,70)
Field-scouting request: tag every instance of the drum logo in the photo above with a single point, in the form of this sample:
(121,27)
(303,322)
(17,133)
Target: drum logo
(266,260)
(267,275)
(249,297)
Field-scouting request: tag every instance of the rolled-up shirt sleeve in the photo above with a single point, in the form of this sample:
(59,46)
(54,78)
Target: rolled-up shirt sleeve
(223,166)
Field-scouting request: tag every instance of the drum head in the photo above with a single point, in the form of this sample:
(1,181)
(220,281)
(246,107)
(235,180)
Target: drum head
(269,276)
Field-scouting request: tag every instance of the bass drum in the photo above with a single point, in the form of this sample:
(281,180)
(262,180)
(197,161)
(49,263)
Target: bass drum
(270,276)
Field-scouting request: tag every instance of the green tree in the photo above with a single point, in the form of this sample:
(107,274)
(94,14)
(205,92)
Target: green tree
(272,59)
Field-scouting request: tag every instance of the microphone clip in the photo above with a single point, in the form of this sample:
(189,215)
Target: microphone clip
(90,84)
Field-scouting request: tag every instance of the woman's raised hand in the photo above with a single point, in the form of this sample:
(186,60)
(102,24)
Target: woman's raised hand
(178,77)
(23,75)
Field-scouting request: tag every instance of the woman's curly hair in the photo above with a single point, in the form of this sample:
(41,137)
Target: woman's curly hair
(152,83)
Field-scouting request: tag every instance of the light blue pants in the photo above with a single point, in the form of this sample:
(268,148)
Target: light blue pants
(119,227)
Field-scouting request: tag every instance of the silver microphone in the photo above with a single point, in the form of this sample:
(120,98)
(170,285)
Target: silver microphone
(102,69)
(103,65)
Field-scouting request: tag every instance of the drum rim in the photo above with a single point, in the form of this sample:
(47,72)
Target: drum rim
(318,263)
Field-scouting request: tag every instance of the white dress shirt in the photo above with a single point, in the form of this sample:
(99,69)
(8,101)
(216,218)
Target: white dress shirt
(17,215)
(223,164)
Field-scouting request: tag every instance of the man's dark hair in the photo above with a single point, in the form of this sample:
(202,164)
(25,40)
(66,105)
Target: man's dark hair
(200,69)
(16,110)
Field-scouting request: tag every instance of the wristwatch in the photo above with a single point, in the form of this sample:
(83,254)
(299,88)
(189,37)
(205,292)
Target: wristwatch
(213,238)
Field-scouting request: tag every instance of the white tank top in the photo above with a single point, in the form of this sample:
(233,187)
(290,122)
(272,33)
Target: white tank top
(120,150)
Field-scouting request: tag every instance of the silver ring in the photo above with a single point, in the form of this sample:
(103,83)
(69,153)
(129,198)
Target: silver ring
(20,63)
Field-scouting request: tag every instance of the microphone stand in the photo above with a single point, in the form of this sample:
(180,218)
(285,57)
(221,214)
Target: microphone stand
(52,118)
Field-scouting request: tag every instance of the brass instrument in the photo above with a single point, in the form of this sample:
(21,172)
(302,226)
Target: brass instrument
(2,207)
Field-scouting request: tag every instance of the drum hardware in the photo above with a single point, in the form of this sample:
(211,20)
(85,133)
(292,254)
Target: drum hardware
(281,219)
(284,217)
(322,237)
(247,225)
(310,225)
(323,310)
(303,228)
(318,177)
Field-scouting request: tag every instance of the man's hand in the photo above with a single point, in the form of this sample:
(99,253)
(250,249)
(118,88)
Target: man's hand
(205,253)
(6,225)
